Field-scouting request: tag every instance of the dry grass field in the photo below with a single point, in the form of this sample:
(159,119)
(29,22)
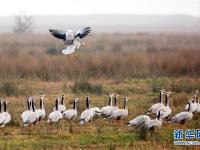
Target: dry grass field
(105,56)
(133,65)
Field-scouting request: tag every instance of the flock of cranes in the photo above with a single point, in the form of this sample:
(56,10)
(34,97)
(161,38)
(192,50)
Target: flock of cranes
(33,115)
(161,110)
(163,113)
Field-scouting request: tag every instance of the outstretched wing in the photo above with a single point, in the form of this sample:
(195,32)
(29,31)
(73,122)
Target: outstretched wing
(82,33)
(58,34)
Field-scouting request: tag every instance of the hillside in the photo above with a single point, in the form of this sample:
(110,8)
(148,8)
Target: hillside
(112,23)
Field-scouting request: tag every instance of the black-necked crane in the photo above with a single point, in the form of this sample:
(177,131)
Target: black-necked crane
(87,114)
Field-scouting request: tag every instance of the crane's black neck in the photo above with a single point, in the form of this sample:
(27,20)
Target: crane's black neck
(115,101)
(41,103)
(33,105)
(62,100)
(166,100)
(125,103)
(160,97)
(56,104)
(110,101)
(189,105)
(158,115)
(87,103)
(0,106)
(5,106)
(74,105)
(28,104)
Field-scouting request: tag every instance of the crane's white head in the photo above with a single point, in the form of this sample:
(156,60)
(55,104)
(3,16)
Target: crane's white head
(126,99)
(162,91)
(168,93)
(70,34)
(111,95)
(42,96)
(75,99)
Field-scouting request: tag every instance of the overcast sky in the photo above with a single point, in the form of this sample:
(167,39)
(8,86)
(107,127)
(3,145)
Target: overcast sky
(81,7)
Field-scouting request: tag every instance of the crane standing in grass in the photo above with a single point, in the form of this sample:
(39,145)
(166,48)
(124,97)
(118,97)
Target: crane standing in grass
(87,114)
(7,116)
(41,111)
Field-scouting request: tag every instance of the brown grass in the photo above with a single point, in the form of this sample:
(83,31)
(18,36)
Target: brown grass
(105,56)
